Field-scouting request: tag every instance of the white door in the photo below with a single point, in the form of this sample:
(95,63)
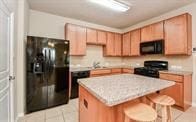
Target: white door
(5,29)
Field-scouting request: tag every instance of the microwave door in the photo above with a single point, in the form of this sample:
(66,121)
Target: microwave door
(150,49)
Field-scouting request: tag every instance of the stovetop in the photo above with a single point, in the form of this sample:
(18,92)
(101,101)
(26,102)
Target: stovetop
(151,68)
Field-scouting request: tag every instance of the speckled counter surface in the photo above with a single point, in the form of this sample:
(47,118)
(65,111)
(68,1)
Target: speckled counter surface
(115,89)
(90,68)
(176,72)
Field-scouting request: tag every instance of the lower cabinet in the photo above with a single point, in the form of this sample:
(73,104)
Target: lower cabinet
(110,71)
(181,92)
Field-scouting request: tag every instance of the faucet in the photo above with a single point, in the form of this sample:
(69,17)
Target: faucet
(96,64)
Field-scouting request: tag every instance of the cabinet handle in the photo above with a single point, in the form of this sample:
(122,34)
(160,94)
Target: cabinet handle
(85,103)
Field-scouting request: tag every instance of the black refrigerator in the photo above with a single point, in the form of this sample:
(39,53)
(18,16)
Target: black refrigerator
(47,73)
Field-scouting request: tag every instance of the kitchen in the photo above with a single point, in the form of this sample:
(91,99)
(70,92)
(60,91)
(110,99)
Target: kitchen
(155,46)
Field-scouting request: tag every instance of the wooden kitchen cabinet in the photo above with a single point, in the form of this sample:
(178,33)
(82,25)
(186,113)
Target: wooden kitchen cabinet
(117,44)
(91,36)
(113,44)
(128,70)
(126,44)
(135,42)
(100,72)
(77,37)
(178,35)
(101,37)
(181,92)
(152,32)
(116,71)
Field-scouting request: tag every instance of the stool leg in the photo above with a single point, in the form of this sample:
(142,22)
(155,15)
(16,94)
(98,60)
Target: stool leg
(126,119)
(169,114)
(164,114)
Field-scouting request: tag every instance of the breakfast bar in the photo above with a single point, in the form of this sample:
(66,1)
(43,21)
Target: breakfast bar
(103,99)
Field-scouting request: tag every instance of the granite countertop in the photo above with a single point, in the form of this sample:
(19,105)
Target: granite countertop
(116,89)
(76,69)
(176,72)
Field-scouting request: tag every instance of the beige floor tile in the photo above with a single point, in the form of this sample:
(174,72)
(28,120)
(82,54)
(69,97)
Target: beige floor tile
(70,117)
(53,112)
(35,117)
(56,119)
(188,116)
(69,108)
(22,119)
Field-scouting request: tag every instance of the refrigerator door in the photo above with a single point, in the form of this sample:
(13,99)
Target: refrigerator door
(58,72)
(36,82)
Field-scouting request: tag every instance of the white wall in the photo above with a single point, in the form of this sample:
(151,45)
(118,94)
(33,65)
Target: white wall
(187,62)
(52,26)
(23,25)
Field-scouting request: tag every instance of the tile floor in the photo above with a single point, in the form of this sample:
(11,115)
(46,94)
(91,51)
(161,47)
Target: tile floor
(69,113)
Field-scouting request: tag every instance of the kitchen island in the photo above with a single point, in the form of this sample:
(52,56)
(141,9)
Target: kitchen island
(103,99)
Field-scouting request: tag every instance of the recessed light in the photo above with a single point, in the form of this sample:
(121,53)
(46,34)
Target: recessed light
(115,5)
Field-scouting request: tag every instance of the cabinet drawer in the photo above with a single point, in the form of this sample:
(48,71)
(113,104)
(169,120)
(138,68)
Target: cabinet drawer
(117,70)
(177,78)
(100,72)
(127,70)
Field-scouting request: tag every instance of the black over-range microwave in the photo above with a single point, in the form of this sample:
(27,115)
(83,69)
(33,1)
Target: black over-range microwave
(154,47)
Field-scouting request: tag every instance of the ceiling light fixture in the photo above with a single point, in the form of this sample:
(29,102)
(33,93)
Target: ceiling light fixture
(115,5)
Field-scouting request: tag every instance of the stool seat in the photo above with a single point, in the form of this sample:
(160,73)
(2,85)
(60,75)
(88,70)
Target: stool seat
(161,99)
(140,112)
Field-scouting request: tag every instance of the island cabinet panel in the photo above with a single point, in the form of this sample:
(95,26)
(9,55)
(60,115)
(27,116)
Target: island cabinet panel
(116,71)
(178,35)
(77,37)
(93,110)
(152,32)
(91,36)
(135,42)
(117,44)
(181,92)
(126,44)
(101,37)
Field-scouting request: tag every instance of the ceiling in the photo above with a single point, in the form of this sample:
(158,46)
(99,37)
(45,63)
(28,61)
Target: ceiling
(87,11)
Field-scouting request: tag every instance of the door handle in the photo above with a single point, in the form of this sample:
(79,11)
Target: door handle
(11,78)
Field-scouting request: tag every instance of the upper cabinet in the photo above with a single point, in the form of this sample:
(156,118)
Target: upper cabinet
(178,35)
(113,44)
(117,44)
(126,44)
(91,36)
(101,37)
(152,32)
(77,37)
(96,37)
(135,42)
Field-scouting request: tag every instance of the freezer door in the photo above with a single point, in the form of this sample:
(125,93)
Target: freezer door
(36,81)
(58,78)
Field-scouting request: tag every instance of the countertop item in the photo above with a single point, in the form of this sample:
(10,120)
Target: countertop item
(116,89)
(176,72)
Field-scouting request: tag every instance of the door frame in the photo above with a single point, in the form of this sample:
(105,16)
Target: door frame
(11,39)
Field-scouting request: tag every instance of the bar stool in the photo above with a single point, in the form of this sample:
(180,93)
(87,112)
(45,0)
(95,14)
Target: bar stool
(140,112)
(165,102)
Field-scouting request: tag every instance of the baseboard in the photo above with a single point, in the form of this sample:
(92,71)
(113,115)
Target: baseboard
(19,115)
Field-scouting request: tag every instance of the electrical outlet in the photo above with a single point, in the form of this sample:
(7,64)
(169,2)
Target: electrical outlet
(194,49)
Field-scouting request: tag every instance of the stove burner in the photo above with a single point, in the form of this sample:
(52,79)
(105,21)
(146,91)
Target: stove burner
(151,68)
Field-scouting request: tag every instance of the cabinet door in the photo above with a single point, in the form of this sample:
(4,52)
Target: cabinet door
(157,31)
(109,49)
(178,35)
(146,34)
(126,48)
(77,37)
(101,37)
(70,33)
(81,41)
(118,45)
(176,92)
(135,43)
(91,36)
